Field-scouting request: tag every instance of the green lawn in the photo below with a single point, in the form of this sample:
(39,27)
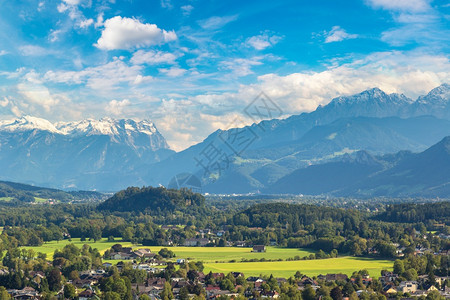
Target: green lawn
(6,199)
(225,254)
(50,247)
(346,265)
(40,200)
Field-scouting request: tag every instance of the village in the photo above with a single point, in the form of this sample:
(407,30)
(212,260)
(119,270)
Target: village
(155,281)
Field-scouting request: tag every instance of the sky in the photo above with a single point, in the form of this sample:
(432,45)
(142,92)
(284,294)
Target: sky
(193,66)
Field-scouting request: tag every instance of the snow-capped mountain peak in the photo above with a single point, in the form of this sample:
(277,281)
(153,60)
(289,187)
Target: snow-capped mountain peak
(107,126)
(439,95)
(28,123)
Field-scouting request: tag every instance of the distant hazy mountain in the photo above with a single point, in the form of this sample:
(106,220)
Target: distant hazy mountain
(370,121)
(405,174)
(102,155)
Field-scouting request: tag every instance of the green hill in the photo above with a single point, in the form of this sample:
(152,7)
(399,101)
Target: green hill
(150,198)
(14,193)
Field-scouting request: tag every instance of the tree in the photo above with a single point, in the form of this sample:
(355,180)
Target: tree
(112,296)
(348,289)
(399,268)
(4,294)
(166,293)
(336,293)
(54,280)
(69,291)
(308,293)
(184,293)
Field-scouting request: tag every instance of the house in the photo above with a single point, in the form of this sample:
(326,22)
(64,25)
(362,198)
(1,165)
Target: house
(144,253)
(407,287)
(146,267)
(156,262)
(259,248)
(196,242)
(270,295)
(181,261)
(107,265)
(240,244)
(87,295)
(430,288)
(121,255)
(388,277)
(389,288)
(220,233)
(334,277)
(26,293)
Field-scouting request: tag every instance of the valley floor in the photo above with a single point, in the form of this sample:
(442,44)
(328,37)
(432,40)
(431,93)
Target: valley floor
(228,259)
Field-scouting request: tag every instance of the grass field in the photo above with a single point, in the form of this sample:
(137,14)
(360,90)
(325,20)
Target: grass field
(6,199)
(40,200)
(345,265)
(217,259)
(50,247)
(225,254)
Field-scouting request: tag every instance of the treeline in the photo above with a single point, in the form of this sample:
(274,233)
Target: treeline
(288,225)
(414,213)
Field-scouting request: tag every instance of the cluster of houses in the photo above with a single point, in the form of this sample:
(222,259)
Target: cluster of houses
(144,259)
(153,286)
(127,253)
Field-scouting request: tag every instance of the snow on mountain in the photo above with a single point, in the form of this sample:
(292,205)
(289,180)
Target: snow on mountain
(28,123)
(437,96)
(106,126)
(88,127)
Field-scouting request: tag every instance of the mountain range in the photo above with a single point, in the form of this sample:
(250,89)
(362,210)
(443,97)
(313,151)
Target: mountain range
(372,121)
(339,138)
(90,155)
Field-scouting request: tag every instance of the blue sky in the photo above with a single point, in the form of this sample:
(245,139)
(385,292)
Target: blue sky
(193,66)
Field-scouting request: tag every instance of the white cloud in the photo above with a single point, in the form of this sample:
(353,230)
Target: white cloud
(99,21)
(337,34)
(3,52)
(173,71)
(72,2)
(116,107)
(216,22)
(126,33)
(401,5)
(86,23)
(242,66)
(54,35)
(38,94)
(166,4)
(152,57)
(102,78)
(263,41)
(4,102)
(187,9)
(41,5)
(33,50)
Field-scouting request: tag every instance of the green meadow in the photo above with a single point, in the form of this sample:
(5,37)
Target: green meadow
(345,265)
(226,254)
(50,247)
(217,259)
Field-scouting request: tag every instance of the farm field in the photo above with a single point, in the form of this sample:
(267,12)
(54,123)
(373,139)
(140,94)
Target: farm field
(50,247)
(345,265)
(225,254)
